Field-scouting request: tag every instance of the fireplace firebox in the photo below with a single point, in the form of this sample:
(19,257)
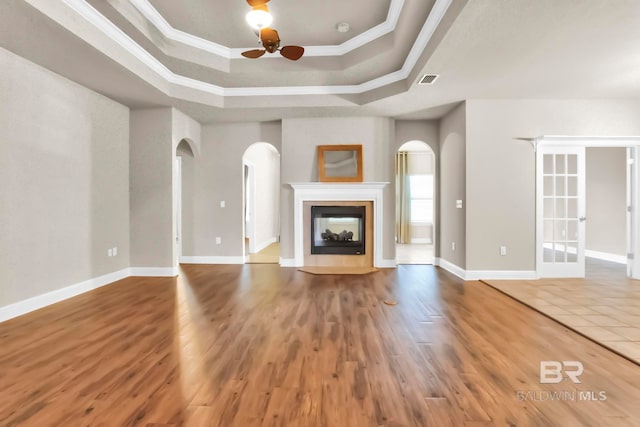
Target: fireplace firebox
(338,230)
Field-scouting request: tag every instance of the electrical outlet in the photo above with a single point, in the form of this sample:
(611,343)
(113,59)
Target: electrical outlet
(218,240)
(458,204)
(110,252)
(115,251)
(453,246)
(503,250)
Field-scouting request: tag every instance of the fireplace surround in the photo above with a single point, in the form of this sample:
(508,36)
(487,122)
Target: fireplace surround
(340,193)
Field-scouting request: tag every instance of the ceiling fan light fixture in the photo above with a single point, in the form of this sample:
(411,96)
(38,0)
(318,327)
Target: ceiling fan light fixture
(259,19)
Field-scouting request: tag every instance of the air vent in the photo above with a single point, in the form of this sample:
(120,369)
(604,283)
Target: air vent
(428,79)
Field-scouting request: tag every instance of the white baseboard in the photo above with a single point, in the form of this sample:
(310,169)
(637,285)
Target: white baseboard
(387,263)
(261,245)
(212,260)
(485,274)
(154,271)
(450,267)
(34,303)
(620,259)
(288,262)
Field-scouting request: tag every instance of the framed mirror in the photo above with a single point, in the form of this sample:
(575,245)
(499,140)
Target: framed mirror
(340,163)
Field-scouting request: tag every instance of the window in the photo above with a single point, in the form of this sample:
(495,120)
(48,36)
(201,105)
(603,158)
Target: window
(421,190)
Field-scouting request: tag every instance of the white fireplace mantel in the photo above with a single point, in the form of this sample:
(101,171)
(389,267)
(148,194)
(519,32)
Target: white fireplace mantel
(330,192)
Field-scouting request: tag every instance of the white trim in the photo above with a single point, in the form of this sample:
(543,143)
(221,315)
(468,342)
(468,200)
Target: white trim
(287,262)
(34,303)
(213,260)
(156,19)
(484,274)
(450,267)
(501,275)
(587,141)
(100,22)
(325,191)
(154,271)
(262,245)
(387,263)
(605,256)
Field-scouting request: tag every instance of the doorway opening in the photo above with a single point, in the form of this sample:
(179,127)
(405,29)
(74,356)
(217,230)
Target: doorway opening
(606,211)
(415,203)
(587,213)
(261,200)
(183,199)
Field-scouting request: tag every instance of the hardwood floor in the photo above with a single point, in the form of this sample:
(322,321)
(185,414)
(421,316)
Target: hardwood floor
(260,345)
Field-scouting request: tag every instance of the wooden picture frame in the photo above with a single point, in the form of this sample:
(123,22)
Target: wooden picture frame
(340,163)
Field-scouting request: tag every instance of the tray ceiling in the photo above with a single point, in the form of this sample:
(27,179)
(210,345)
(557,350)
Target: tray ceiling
(186,54)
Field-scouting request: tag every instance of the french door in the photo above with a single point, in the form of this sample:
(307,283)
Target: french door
(560,172)
(633,195)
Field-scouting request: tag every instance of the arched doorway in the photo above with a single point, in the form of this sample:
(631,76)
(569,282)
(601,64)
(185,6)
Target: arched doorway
(261,172)
(183,198)
(415,203)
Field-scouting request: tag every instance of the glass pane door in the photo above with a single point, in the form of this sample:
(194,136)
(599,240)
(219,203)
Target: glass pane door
(633,245)
(561,210)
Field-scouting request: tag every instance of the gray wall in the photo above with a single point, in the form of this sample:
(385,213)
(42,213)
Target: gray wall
(151,192)
(63,181)
(300,138)
(501,168)
(453,186)
(218,175)
(606,199)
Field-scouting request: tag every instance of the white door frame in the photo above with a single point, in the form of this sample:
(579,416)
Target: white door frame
(633,186)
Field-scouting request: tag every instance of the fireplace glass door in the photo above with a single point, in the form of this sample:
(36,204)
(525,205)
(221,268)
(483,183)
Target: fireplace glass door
(338,230)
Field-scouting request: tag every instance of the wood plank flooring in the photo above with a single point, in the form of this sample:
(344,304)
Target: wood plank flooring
(260,345)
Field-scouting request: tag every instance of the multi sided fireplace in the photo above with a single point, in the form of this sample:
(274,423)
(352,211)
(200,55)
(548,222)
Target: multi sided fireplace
(338,230)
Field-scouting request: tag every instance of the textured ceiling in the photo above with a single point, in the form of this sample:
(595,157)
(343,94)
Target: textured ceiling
(481,49)
(306,23)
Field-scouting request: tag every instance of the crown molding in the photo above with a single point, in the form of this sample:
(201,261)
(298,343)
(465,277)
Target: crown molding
(156,19)
(109,29)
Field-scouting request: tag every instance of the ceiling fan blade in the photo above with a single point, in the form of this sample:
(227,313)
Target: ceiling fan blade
(253,54)
(292,52)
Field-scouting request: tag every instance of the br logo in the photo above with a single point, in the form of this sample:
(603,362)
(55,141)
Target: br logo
(551,371)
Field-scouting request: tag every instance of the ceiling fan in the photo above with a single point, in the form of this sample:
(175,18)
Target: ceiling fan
(260,19)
